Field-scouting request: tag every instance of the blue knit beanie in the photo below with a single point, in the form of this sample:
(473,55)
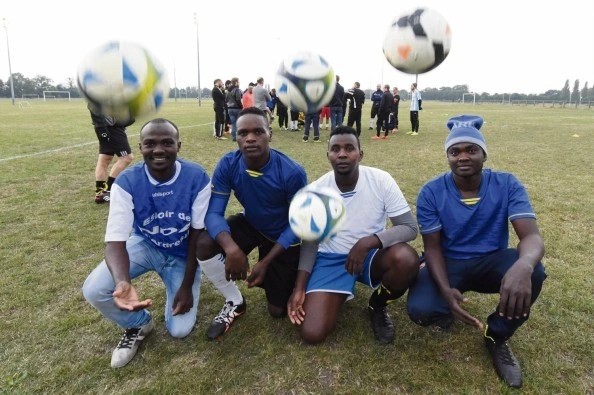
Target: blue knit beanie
(465,129)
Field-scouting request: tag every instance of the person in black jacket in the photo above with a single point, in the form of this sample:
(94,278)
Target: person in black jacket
(393,118)
(356,98)
(336,111)
(376,97)
(234,105)
(218,98)
(383,113)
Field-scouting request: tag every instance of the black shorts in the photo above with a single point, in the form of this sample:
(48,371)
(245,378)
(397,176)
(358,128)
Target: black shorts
(374,110)
(113,141)
(281,273)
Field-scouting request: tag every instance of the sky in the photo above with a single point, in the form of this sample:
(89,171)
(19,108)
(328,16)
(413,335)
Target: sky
(501,46)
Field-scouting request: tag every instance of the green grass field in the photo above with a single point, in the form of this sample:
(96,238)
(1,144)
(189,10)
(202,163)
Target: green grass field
(52,341)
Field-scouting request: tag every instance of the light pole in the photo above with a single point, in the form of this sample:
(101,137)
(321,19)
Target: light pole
(198,60)
(9,66)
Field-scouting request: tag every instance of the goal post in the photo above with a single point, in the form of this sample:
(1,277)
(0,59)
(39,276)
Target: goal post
(56,95)
(473,97)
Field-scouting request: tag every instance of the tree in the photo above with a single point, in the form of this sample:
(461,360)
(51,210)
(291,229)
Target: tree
(42,83)
(575,93)
(565,91)
(585,94)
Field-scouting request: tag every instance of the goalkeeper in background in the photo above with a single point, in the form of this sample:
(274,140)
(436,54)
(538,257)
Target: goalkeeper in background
(112,141)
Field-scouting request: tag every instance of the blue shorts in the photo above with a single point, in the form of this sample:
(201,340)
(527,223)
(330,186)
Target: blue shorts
(329,274)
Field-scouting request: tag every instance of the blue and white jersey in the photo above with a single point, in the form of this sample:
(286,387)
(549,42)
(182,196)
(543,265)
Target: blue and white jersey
(375,198)
(159,212)
(415,96)
(265,194)
(471,228)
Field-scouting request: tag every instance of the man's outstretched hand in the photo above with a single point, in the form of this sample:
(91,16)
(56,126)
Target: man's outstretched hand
(125,298)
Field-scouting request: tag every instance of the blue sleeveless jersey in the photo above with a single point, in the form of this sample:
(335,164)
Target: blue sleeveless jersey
(163,211)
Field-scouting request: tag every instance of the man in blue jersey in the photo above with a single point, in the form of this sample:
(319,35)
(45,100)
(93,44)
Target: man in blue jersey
(264,181)
(162,202)
(463,217)
(362,251)
(376,97)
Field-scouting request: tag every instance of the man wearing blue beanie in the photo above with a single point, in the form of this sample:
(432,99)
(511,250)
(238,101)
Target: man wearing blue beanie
(463,218)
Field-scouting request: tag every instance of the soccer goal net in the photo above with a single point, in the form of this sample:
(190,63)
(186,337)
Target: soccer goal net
(30,96)
(469,94)
(56,95)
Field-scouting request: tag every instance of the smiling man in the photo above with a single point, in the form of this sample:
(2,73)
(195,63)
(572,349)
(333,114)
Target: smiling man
(463,217)
(363,251)
(264,182)
(162,202)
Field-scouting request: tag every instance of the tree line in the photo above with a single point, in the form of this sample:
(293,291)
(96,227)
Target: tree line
(26,87)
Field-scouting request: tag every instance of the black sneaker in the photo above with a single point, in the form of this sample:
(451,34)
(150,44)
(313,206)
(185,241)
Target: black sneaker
(305,139)
(445,323)
(222,322)
(102,196)
(382,325)
(316,140)
(505,363)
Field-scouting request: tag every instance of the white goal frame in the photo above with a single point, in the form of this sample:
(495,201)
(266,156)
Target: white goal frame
(53,97)
(473,97)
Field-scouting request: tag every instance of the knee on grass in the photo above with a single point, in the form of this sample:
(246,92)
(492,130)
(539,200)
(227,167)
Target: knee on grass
(276,312)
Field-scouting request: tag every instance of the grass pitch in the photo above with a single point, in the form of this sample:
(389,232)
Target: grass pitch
(51,232)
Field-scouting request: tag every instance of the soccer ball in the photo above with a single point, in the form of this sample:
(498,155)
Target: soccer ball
(316,213)
(122,80)
(418,42)
(305,82)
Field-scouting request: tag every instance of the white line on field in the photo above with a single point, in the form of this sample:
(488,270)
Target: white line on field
(51,151)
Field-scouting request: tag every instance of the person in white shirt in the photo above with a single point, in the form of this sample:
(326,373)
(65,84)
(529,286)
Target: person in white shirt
(363,250)
(415,107)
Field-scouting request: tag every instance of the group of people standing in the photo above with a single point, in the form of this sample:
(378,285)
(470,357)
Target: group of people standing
(384,111)
(229,100)
(168,216)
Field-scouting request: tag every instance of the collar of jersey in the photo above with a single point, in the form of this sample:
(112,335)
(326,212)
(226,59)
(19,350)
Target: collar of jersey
(170,181)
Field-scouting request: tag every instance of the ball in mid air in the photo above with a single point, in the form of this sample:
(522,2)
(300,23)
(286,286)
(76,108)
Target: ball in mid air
(418,41)
(305,82)
(316,213)
(122,80)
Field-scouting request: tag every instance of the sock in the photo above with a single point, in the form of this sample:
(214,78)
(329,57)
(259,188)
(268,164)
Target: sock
(110,181)
(382,296)
(99,186)
(214,270)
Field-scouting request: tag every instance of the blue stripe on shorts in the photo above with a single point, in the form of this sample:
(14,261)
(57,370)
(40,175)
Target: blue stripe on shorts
(329,274)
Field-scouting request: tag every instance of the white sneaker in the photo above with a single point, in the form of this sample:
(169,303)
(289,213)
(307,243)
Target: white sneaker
(128,345)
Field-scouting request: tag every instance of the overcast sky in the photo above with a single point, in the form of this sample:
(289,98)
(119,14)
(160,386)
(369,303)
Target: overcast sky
(501,46)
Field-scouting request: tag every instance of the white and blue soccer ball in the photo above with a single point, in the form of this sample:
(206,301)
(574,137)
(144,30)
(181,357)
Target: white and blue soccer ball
(122,80)
(316,213)
(305,82)
(418,41)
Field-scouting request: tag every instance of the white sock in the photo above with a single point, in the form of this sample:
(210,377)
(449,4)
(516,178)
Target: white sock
(214,270)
